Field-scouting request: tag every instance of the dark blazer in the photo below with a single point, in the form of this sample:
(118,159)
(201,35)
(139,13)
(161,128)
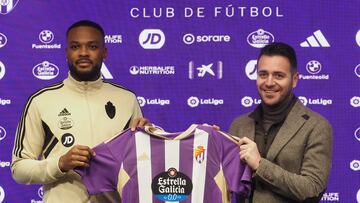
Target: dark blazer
(297,165)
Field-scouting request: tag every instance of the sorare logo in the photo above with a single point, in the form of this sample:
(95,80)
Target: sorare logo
(152,39)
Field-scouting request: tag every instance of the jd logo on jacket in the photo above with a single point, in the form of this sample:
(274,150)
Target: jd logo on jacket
(110,109)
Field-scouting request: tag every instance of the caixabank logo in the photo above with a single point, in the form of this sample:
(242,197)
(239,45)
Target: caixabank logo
(314,67)
(314,101)
(153,101)
(195,101)
(214,70)
(171,186)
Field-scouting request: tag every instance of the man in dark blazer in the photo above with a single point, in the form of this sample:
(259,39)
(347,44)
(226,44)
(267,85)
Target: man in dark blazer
(288,146)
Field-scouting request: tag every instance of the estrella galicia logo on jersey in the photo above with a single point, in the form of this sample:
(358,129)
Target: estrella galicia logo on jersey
(171,186)
(65,123)
(7,5)
(110,109)
(199,154)
(67,139)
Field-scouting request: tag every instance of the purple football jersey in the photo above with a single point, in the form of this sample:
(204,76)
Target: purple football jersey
(151,166)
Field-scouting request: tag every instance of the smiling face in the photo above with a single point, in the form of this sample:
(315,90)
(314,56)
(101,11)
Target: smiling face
(275,79)
(85,53)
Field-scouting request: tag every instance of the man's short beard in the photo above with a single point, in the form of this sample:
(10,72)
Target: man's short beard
(88,76)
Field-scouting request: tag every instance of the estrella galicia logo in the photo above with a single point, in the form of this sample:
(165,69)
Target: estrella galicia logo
(45,71)
(65,123)
(3,40)
(7,6)
(151,39)
(110,109)
(67,139)
(171,186)
(260,38)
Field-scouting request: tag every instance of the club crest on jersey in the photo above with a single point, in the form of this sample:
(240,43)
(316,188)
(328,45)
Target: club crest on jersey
(171,186)
(110,109)
(199,154)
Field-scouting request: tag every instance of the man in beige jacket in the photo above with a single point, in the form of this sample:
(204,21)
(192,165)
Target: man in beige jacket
(288,146)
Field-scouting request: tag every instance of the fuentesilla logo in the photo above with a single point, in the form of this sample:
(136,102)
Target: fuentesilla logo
(3,40)
(194,101)
(314,67)
(260,38)
(191,38)
(152,39)
(355,101)
(46,37)
(2,70)
(251,69)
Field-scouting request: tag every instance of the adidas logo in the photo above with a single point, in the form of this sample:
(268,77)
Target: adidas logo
(315,40)
(64,112)
(143,157)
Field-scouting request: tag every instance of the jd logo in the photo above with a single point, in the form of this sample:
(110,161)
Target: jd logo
(67,139)
(110,109)
(151,39)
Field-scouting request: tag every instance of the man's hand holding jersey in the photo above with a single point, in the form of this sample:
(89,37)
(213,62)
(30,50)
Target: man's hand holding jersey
(249,153)
(77,156)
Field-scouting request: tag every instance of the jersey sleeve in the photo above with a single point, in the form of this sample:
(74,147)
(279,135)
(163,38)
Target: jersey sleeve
(102,174)
(28,147)
(237,173)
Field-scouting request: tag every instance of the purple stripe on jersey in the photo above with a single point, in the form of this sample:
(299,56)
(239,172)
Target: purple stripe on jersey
(131,189)
(158,159)
(186,157)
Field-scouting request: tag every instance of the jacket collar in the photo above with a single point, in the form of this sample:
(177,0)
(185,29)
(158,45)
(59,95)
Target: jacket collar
(83,86)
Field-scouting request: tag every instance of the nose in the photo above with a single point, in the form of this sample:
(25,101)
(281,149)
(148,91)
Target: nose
(269,81)
(83,51)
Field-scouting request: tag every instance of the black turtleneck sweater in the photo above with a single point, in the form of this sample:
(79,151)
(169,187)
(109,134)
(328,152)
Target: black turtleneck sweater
(268,120)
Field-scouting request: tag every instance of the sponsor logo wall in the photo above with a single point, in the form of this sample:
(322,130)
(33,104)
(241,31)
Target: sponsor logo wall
(189,62)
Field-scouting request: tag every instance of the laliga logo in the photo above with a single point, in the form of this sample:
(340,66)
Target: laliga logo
(46,36)
(303,100)
(358,196)
(249,101)
(2,70)
(251,69)
(2,133)
(151,39)
(3,40)
(141,101)
(355,101)
(357,70)
(41,192)
(193,102)
(260,38)
(313,67)
(357,38)
(2,194)
(45,71)
(355,165)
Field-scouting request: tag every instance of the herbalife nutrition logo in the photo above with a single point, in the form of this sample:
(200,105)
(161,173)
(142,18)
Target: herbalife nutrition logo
(315,40)
(46,37)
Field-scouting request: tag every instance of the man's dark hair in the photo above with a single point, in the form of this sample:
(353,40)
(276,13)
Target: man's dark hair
(281,49)
(86,23)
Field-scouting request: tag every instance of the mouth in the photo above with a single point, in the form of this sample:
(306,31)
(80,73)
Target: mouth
(83,62)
